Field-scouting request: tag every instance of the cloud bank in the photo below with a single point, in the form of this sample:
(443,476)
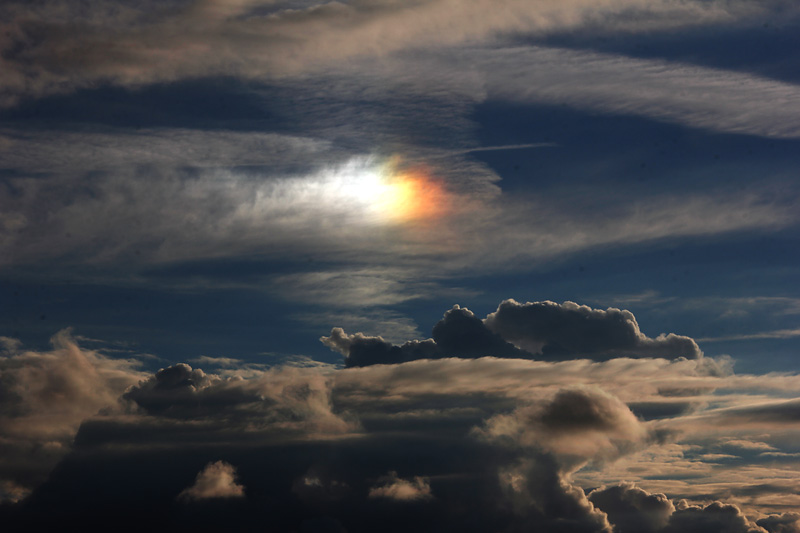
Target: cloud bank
(617,444)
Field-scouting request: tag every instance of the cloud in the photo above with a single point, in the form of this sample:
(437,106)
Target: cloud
(631,509)
(507,443)
(715,517)
(570,329)
(403,490)
(576,425)
(216,480)
(700,97)
(539,330)
(57,47)
(284,400)
(786,523)
(458,334)
(776,334)
(44,398)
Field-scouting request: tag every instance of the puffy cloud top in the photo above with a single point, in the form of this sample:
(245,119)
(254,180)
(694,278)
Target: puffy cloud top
(216,480)
(539,330)
(568,329)
(396,488)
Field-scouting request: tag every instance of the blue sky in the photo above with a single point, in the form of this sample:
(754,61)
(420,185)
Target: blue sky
(224,182)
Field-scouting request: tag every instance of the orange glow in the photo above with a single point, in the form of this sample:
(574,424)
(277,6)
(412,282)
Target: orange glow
(412,195)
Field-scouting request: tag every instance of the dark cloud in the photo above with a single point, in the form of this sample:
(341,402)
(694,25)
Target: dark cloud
(361,350)
(785,523)
(542,330)
(572,330)
(472,444)
(631,509)
(461,334)
(715,517)
(458,334)
(44,397)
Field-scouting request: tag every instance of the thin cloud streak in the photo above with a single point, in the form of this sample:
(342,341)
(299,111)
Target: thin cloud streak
(777,334)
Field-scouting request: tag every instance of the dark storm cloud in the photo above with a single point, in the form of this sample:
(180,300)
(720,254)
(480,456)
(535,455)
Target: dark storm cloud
(541,330)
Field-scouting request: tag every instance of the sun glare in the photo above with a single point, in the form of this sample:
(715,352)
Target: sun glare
(388,192)
(405,195)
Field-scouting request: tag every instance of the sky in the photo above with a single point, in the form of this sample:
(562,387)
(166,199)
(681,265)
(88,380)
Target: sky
(382,265)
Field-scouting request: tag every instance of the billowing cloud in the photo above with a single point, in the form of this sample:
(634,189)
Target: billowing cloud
(576,425)
(715,517)
(570,329)
(44,397)
(631,509)
(467,441)
(786,523)
(217,480)
(288,399)
(543,330)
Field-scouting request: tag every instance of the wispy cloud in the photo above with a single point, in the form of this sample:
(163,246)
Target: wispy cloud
(777,334)
(157,43)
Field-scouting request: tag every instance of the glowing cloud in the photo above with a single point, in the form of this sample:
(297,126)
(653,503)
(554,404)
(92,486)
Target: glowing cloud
(394,194)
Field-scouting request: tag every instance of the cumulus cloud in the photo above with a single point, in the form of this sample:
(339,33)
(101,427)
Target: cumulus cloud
(631,509)
(483,442)
(576,425)
(44,397)
(715,517)
(570,329)
(785,523)
(216,480)
(403,490)
(543,330)
(287,399)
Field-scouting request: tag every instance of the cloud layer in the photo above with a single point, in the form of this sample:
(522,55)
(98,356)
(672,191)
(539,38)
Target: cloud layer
(665,444)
